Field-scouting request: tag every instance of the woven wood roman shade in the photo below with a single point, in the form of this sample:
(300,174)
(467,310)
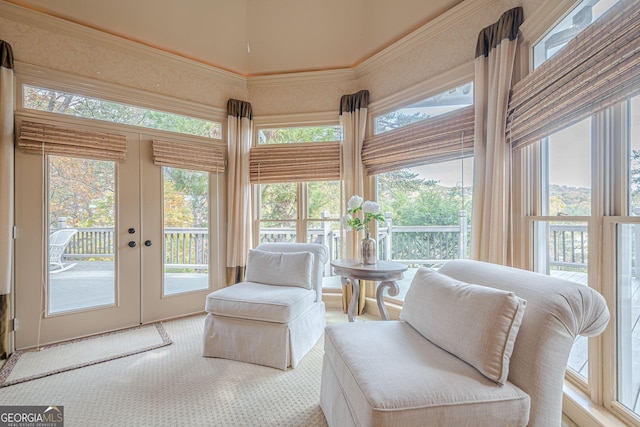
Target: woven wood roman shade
(201,157)
(599,68)
(308,161)
(58,140)
(445,137)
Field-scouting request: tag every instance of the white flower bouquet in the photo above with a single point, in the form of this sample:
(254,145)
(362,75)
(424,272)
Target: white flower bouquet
(354,221)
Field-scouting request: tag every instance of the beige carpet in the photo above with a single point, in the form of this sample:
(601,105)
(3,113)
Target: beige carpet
(176,386)
(54,359)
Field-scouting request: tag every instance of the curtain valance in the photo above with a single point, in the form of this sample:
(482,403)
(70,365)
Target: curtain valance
(354,101)
(309,161)
(239,109)
(6,55)
(201,157)
(59,140)
(599,68)
(445,137)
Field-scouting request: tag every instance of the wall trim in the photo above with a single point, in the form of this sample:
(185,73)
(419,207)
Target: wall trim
(109,41)
(305,77)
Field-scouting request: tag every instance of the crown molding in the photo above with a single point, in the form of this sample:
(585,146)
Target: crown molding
(60,26)
(448,20)
(305,77)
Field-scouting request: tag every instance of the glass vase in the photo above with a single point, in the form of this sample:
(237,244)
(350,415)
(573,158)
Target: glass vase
(368,250)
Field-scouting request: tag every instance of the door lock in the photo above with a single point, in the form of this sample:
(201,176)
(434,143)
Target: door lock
(131,230)
(132,244)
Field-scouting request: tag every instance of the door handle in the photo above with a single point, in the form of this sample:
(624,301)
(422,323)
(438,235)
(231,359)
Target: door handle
(132,244)
(147,243)
(131,230)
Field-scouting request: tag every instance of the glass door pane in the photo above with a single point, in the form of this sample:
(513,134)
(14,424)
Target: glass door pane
(81,202)
(186,230)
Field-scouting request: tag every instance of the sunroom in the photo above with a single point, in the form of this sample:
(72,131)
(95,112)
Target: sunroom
(209,158)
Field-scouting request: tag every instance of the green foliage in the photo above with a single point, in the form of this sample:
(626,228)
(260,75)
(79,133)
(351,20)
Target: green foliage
(323,196)
(299,134)
(279,201)
(193,189)
(412,200)
(82,106)
(82,191)
(395,120)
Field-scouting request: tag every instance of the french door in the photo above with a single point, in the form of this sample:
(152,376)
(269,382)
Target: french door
(103,245)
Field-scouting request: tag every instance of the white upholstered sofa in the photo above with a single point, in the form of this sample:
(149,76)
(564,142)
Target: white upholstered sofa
(276,315)
(498,343)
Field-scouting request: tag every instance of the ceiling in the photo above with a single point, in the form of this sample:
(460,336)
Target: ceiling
(255,37)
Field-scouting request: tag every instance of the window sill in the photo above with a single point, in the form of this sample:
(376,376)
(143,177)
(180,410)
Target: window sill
(582,411)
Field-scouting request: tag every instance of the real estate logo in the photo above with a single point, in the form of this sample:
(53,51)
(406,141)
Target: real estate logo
(31,416)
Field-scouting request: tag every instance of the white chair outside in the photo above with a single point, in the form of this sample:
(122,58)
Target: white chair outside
(58,242)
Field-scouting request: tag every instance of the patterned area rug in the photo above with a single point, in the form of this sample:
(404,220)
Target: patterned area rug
(32,364)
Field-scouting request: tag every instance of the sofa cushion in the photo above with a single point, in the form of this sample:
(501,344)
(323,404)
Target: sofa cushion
(478,324)
(257,301)
(280,268)
(392,376)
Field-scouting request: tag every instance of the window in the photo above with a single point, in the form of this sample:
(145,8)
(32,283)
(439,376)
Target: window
(573,205)
(71,104)
(583,186)
(427,209)
(292,206)
(299,134)
(577,20)
(627,278)
(453,99)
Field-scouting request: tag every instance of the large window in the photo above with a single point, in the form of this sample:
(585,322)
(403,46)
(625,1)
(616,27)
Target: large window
(583,183)
(573,207)
(71,104)
(577,20)
(450,100)
(298,209)
(299,134)
(427,209)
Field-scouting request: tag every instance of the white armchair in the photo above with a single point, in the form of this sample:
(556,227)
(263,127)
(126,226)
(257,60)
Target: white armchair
(276,315)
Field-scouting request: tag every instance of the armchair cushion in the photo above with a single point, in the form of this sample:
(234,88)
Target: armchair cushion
(477,324)
(257,301)
(280,268)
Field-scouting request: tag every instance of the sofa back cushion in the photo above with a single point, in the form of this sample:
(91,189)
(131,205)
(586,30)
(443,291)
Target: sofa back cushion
(280,268)
(477,324)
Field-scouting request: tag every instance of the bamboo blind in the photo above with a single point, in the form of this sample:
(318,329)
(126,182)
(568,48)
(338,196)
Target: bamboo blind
(295,162)
(58,140)
(445,137)
(599,68)
(202,157)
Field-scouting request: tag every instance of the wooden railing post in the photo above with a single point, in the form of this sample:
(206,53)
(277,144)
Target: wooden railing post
(327,239)
(389,221)
(462,238)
